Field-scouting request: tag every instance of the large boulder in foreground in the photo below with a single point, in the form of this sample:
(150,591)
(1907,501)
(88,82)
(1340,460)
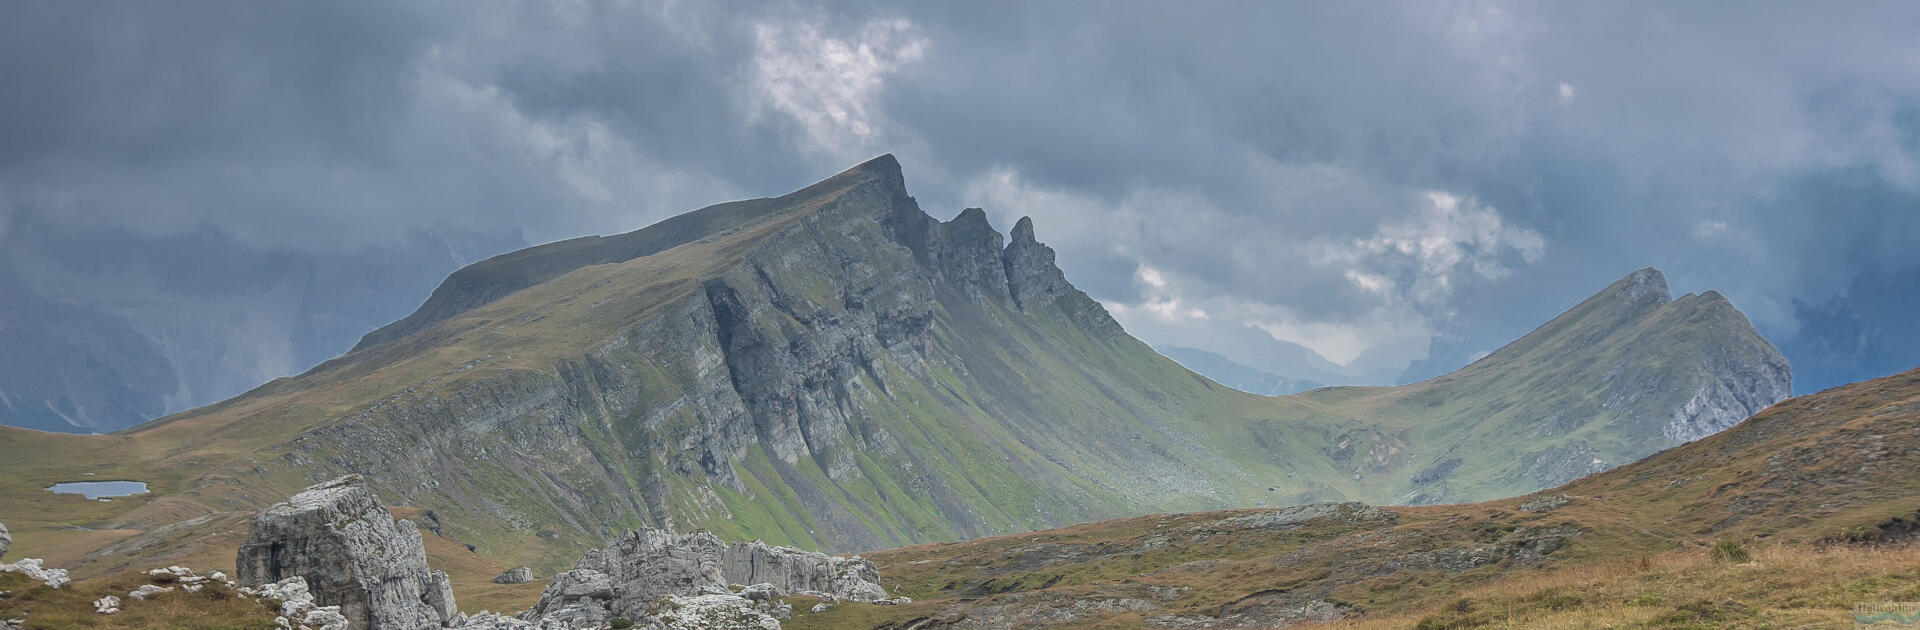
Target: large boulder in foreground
(645,573)
(353,554)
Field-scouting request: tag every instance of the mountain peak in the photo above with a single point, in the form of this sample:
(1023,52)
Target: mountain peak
(972,218)
(1022,233)
(880,163)
(1640,284)
(883,167)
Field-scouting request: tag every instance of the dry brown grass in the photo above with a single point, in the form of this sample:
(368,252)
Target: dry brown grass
(1793,586)
(215,607)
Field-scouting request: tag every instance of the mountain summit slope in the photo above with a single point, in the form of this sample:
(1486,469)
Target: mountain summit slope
(1626,373)
(836,369)
(490,279)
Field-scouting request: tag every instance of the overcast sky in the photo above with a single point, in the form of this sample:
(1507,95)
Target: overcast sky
(1358,179)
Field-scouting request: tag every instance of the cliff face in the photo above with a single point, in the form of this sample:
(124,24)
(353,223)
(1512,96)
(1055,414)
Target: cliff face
(835,369)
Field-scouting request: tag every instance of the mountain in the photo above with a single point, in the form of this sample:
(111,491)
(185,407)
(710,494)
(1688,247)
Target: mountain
(834,369)
(1244,378)
(1809,507)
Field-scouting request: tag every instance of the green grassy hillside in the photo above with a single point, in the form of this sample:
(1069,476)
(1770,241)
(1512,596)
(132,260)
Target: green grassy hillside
(835,369)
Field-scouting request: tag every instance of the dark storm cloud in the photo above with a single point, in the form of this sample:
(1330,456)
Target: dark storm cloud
(1355,180)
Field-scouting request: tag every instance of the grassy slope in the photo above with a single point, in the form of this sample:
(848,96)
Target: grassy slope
(1819,487)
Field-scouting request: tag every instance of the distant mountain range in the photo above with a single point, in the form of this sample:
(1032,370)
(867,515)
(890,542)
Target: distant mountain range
(836,369)
(1234,375)
(102,329)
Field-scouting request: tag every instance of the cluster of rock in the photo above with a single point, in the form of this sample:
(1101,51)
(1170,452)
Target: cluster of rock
(337,560)
(352,554)
(36,571)
(1544,503)
(689,580)
(298,610)
(520,575)
(1349,513)
(181,578)
(30,567)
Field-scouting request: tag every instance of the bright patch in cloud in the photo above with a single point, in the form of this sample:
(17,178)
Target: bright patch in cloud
(1343,342)
(1420,258)
(1162,303)
(1566,92)
(830,84)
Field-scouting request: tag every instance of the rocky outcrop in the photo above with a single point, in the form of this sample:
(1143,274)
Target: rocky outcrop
(6,540)
(297,606)
(1733,386)
(520,575)
(646,574)
(1731,374)
(1036,282)
(351,553)
(970,260)
(1280,519)
(36,571)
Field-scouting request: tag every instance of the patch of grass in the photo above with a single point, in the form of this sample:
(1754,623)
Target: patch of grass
(1787,586)
(1730,552)
(215,607)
